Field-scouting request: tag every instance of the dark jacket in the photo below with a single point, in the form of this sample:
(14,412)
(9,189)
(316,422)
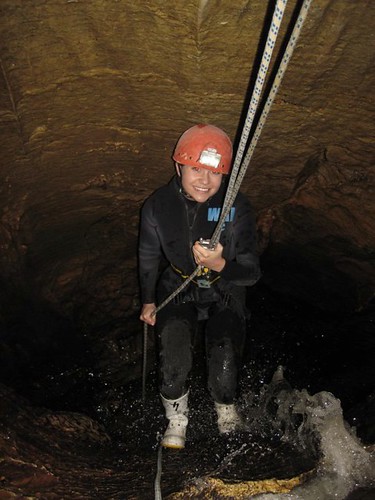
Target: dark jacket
(170,224)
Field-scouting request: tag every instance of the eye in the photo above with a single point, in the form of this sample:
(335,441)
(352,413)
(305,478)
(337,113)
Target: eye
(196,169)
(215,173)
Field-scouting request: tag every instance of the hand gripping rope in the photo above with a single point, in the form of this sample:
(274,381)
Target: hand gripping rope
(241,164)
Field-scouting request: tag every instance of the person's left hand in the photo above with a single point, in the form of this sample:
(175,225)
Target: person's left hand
(213,259)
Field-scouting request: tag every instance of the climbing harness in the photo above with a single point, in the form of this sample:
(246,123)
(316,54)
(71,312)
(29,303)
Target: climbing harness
(241,163)
(203,278)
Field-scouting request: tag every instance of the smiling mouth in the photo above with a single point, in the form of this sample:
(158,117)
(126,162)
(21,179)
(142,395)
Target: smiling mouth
(202,190)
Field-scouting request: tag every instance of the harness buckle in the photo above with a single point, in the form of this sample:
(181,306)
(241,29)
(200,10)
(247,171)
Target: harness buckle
(203,282)
(203,278)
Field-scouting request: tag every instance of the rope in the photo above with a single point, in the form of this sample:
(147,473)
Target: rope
(145,326)
(254,102)
(144,362)
(236,181)
(157,487)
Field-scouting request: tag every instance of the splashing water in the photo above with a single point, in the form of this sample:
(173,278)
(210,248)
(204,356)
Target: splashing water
(345,463)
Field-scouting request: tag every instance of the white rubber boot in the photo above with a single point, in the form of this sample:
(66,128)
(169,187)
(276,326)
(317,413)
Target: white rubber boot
(176,411)
(228,419)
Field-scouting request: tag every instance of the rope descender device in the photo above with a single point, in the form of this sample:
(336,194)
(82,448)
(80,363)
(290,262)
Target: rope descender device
(204,274)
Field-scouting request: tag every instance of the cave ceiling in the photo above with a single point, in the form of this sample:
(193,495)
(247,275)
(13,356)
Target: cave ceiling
(93,97)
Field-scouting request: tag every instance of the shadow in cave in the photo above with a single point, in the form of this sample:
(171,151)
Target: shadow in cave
(331,351)
(45,358)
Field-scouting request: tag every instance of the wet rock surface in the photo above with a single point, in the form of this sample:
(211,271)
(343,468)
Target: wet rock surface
(49,454)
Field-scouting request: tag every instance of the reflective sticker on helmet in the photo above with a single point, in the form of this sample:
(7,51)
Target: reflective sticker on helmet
(210,157)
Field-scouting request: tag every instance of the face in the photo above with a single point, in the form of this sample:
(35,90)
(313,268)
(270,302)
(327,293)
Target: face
(199,183)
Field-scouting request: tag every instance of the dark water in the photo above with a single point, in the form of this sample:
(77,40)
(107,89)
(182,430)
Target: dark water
(319,352)
(255,454)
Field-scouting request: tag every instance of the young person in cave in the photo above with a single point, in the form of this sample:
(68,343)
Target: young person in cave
(173,220)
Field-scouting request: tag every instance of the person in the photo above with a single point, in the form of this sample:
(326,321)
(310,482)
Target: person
(173,221)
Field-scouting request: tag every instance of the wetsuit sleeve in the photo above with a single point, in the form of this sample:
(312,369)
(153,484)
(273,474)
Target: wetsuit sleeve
(243,269)
(149,253)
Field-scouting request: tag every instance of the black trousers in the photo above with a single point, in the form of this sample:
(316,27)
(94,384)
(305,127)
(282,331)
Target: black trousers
(225,330)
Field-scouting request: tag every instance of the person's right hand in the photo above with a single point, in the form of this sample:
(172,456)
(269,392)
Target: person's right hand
(148,314)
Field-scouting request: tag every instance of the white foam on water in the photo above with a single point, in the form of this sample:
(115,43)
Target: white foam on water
(345,464)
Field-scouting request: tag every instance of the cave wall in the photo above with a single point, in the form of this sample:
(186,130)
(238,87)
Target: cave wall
(93,96)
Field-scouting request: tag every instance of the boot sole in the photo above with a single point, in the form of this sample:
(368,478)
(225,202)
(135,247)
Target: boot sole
(173,446)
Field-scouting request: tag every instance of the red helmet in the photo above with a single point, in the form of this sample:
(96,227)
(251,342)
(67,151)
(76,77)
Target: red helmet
(204,146)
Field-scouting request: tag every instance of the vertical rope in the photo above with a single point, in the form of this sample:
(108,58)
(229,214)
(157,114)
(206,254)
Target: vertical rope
(232,193)
(157,487)
(257,91)
(144,362)
(275,87)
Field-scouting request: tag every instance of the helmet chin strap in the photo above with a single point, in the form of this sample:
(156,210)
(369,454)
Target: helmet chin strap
(184,193)
(179,180)
(187,196)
